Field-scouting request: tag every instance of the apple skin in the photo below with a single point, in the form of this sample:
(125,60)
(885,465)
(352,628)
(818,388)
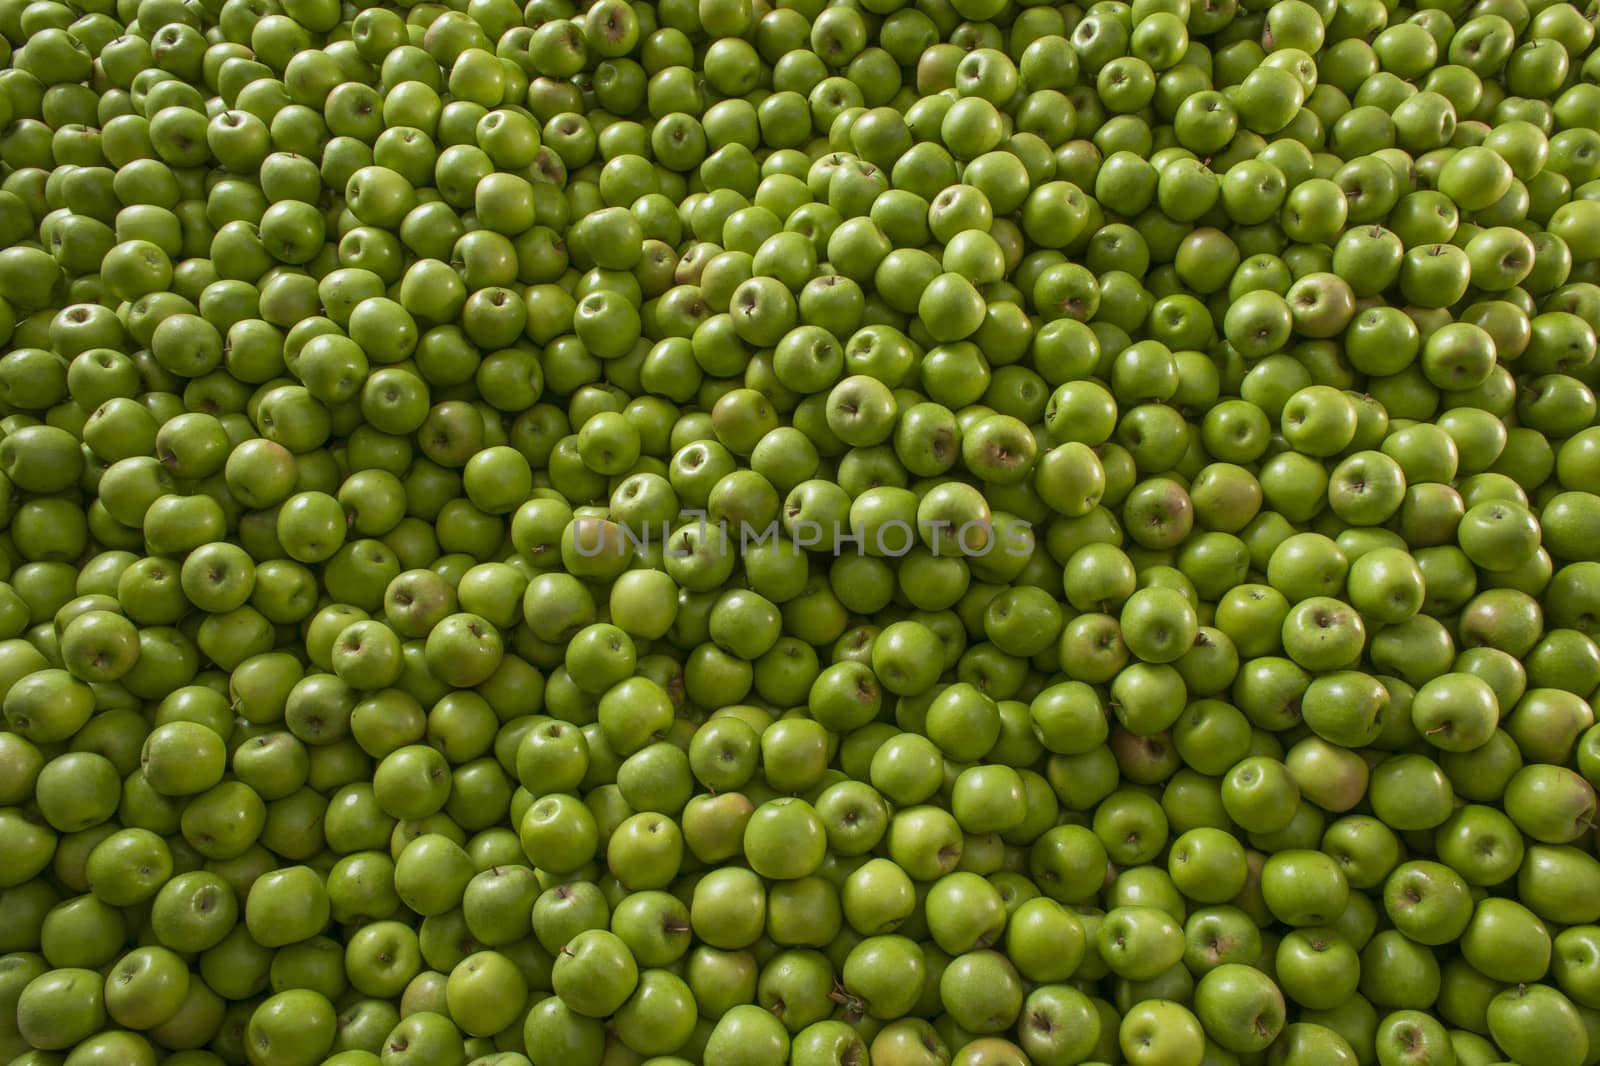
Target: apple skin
(1559,1032)
(1242,1011)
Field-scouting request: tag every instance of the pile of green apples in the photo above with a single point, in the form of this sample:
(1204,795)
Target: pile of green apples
(814,532)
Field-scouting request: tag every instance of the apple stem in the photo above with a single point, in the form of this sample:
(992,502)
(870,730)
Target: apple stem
(854,1009)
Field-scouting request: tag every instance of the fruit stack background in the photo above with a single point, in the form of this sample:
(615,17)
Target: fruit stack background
(815,532)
